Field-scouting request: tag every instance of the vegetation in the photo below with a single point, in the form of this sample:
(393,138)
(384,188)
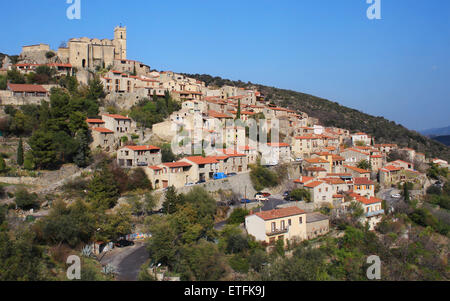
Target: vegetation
(262,177)
(300,195)
(237,217)
(149,112)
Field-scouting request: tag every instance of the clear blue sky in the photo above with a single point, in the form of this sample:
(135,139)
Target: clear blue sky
(397,67)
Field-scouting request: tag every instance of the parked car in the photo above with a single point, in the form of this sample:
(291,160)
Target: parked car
(286,193)
(189,184)
(201,182)
(261,198)
(298,159)
(123,243)
(396,196)
(232,174)
(246,201)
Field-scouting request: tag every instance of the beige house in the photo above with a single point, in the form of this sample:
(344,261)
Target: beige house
(103,138)
(117,123)
(316,225)
(176,174)
(203,168)
(364,187)
(321,192)
(139,156)
(280,224)
(357,172)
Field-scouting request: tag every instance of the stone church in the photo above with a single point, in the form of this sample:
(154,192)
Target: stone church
(85,53)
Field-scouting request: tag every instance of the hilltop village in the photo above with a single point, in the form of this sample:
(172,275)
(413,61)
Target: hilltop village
(180,134)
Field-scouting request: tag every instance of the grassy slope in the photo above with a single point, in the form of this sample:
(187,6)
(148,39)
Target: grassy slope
(333,114)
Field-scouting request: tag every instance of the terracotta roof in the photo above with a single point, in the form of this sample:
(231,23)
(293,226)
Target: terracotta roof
(155,167)
(314,184)
(216,114)
(333,181)
(231,152)
(315,169)
(115,116)
(392,168)
(177,164)
(338,196)
(142,147)
(358,170)
(316,160)
(202,160)
(279,213)
(103,130)
(367,201)
(278,144)
(303,180)
(94,121)
(26,88)
(362,181)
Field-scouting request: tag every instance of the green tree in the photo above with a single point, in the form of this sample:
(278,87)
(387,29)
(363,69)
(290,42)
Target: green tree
(364,164)
(102,190)
(172,201)
(300,195)
(20,156)
(25,200)
(3,167)
(238,216)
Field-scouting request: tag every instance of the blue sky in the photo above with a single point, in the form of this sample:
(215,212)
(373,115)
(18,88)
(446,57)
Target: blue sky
(397,67)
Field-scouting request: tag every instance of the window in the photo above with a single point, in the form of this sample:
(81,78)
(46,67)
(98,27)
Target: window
(289,222)
(273,227)
(283,225)
(300,220)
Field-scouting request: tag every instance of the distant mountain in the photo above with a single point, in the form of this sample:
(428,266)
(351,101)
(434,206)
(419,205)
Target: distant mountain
(443,139)
(333,114)
(436,132)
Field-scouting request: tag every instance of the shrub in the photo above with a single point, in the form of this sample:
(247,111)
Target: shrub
(237,217)
(25,200)
(263,177)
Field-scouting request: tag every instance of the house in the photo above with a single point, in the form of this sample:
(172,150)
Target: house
(357,172)
(364,187)
(353,156)
(203,168)
(95,123)
(361,138)
(278,152)
(373,210)
(26,90)
(321,192)
(103,138)
(279,224)
(139,156)
(176,174)
(376,162)
(316,225)
(117,123)
(236,162)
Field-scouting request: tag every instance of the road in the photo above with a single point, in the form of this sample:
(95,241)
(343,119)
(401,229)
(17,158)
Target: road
(127,261)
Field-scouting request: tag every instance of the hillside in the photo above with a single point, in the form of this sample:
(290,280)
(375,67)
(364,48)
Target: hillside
(333,114)
(436,132)
(443,139)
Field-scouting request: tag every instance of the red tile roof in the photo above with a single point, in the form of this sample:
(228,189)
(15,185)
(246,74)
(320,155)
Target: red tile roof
(216,114)
(199,160)
(314,184)
(278,144)
(27,88)
(177,164)
(279,213)
(103,130)
(362,181)
(142,147)
(303,180)
(94,121)
(358,170)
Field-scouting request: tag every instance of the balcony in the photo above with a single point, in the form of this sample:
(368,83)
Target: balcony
(374,213)
(277,232)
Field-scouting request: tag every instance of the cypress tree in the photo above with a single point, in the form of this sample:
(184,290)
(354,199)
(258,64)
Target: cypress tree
(20,153)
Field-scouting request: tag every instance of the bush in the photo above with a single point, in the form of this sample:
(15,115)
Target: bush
(25,200)
(237,217)
(263,177)
(301,195)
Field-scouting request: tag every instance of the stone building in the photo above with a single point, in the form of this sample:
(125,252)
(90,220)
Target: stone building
(85,53)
